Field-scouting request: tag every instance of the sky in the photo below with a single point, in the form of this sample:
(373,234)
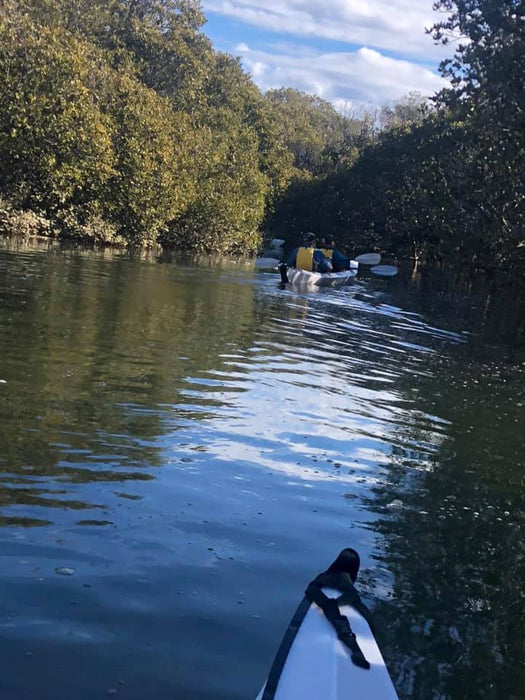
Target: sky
(349,52)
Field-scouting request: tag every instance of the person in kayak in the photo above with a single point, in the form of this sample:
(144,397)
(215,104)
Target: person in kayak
(308,257)
(338,260)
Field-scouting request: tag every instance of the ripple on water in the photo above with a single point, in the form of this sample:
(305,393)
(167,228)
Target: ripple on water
(185,438)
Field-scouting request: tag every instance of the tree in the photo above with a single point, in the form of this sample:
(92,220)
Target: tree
(319,137)
(121,109)
(487,75)
(242,165)
(172,55)
(55,143)
(490,66)
(411,109)
(448,182)
(153,179)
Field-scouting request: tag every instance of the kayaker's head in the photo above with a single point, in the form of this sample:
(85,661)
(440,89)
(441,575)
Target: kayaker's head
(309,239)
(329,241)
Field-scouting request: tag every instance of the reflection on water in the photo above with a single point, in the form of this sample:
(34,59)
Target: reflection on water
(189,444)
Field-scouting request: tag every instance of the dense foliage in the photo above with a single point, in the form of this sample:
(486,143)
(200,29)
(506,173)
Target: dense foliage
(119,122)
(449,184)
(320,138)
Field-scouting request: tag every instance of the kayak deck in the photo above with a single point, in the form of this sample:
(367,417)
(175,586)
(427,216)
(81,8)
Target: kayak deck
(329,651)
(319,666)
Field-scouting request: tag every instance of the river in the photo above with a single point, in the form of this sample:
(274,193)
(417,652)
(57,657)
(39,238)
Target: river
(184,446)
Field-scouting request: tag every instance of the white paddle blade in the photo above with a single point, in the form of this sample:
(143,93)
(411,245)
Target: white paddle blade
(384,270)
(266,263)
(369,259)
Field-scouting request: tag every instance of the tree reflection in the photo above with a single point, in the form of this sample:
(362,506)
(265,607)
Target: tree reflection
(451,523)
(96,353)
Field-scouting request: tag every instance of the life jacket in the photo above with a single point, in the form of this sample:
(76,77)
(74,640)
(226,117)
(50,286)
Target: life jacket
(305,258)
(327,252)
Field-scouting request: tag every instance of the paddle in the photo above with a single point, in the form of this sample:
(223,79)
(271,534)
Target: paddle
(283,271)
(364,259)
(384,270)
(368,259)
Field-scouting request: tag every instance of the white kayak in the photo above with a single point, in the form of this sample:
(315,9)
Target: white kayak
(312,662)
(304,278)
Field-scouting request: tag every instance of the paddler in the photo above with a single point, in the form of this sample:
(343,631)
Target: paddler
(308,257)
(338,260)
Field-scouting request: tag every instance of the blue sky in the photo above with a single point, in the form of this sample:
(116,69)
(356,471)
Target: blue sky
(349,52)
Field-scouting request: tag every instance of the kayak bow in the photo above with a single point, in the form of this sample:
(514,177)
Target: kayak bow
(328,651)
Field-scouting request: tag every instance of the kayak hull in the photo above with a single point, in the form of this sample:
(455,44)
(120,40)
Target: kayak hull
(319,666)
(304,278)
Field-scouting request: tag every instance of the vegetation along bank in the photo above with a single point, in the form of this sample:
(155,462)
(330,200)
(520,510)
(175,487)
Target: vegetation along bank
(120,123)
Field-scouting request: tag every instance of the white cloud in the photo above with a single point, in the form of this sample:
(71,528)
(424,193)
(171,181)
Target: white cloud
(258,69)
(392,25)
(343,78)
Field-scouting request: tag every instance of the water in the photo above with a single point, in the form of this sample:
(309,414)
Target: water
(183,447)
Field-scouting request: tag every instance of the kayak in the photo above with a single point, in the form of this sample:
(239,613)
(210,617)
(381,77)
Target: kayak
(328,651)
(305,278)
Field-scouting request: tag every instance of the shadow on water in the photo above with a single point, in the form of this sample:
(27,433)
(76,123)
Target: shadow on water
(184,445)
(451,520)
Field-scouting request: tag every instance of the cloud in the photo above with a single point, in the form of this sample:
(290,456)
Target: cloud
(364,76)
(391,25)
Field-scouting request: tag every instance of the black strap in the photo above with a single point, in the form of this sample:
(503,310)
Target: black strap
(282,653)
(342,582)
(330,608)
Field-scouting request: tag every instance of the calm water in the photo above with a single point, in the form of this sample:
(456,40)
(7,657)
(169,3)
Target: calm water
(184,447)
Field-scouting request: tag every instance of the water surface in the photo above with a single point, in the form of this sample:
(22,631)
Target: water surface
(184,446)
